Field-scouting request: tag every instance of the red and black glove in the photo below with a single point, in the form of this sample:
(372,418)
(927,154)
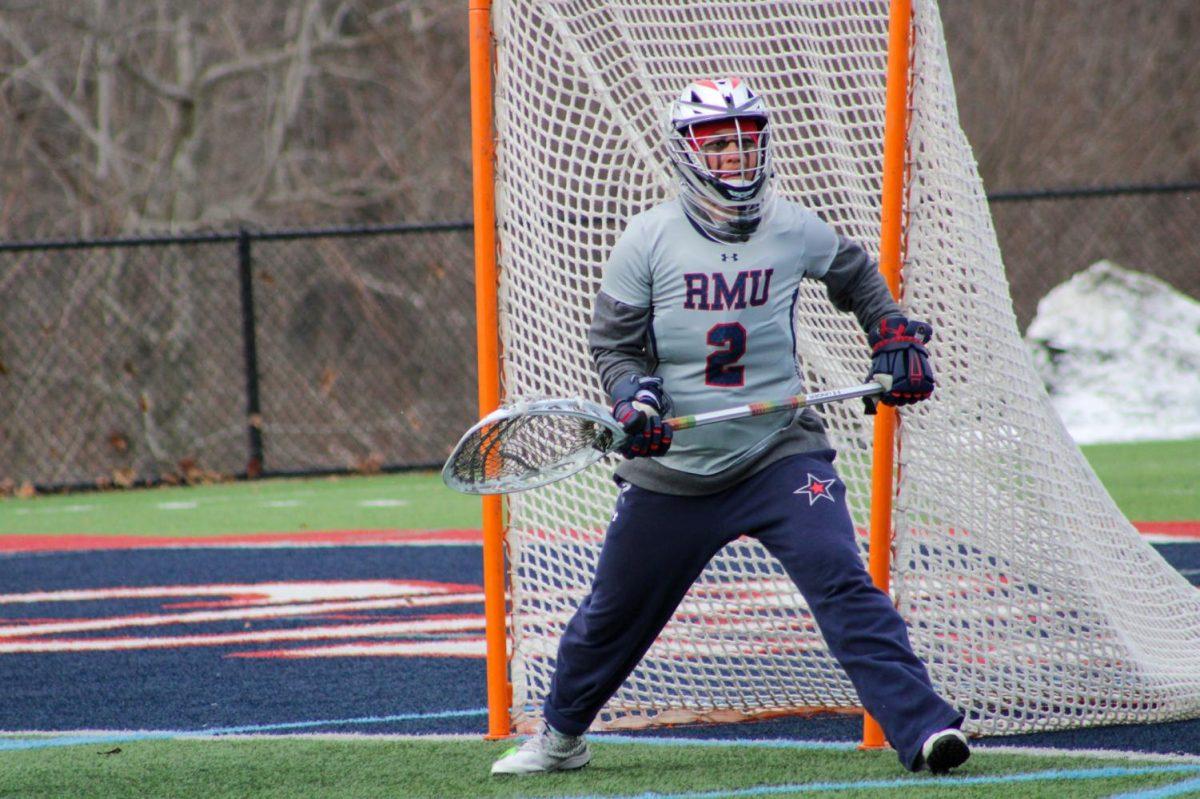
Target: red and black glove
(639,404)
(898,350)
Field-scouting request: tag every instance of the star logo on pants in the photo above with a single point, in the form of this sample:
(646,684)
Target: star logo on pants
(816,489)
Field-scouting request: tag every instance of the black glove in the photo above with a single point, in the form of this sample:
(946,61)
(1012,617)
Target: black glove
(639,404)
(898,350)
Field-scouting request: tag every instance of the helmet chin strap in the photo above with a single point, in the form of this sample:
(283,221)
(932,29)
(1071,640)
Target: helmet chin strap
(721,222)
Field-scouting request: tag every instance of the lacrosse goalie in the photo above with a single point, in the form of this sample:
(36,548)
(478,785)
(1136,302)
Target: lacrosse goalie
(695,312)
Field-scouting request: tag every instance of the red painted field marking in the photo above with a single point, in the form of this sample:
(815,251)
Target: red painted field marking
(55,543)
(277,614)
(1175,530)
(1157,531)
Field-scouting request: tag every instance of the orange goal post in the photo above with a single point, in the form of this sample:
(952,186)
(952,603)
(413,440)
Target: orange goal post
(1034,603)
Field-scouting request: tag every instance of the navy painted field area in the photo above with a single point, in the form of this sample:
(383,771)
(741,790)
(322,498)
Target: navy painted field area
(281,638)
(203,638)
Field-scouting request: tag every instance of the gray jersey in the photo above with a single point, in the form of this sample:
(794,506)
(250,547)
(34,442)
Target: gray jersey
(714,320)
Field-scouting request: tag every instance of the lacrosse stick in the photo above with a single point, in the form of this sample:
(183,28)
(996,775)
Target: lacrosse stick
(530,444)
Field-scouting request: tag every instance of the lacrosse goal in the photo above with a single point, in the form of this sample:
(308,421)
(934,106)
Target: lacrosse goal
(1033,601)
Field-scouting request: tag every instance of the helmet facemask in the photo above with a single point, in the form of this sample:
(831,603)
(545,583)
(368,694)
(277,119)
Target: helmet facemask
(720,145)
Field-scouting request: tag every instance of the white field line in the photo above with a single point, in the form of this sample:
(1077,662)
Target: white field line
(244,593)
(54,509)
(1162,538)
(278,501)
(200,543)
(772,743)
(333,632)
(458,647)
(240,614)
(1119,754)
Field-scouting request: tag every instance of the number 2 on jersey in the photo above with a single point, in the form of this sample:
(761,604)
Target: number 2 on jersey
(721,368)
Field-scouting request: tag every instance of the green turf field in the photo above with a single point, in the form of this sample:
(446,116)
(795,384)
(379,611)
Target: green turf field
(1155,481)
(1150,482)
(362,769)
(416,501)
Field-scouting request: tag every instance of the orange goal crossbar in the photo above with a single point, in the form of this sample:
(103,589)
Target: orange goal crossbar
(891,245)
(487,338)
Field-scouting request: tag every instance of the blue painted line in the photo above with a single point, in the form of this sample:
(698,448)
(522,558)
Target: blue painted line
(765,743)
(77,740)
(149,735)
(299,725)
(940,782)
(1178,789)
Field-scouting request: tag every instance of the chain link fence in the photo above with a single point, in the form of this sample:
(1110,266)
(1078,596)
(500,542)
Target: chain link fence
(175,359)
(1047,236)
(180,359)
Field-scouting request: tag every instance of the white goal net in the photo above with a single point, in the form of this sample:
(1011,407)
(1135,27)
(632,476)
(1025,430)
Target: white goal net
(1033,601)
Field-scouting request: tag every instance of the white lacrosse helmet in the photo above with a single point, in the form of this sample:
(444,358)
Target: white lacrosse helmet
(719,141)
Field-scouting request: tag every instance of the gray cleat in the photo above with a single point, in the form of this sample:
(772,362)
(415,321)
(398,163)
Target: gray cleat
(549,750)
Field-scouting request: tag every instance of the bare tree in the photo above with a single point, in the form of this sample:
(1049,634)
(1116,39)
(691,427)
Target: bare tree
(1075,92)
(123,115)
(1070,93)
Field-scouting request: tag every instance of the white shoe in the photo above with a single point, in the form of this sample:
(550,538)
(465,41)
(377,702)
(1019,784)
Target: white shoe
(945,750)
(549,750)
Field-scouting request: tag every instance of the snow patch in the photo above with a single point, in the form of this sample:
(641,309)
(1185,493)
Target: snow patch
(1119,353)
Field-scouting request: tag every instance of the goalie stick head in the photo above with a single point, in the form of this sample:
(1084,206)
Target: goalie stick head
(719,141)
(529,444)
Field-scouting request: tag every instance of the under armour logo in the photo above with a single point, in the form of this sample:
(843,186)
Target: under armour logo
(816,489)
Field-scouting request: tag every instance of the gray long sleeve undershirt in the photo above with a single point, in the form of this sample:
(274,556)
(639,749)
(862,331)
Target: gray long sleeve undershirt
(621,344)
(619,340)
(855,285)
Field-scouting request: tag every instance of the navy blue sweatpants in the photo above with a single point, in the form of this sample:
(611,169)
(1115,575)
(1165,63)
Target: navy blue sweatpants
(656,547)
